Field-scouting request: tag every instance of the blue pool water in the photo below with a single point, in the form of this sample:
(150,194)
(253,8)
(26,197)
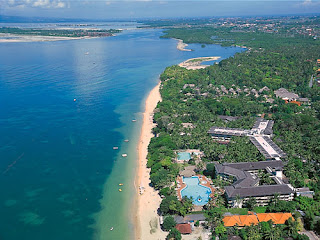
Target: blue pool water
(200,194)
(184,156)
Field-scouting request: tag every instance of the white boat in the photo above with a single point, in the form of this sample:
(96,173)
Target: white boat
(111,228)
(124,155)
(115,148)
(133,120)
(126,140)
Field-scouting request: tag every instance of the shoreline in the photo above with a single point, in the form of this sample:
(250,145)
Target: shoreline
(182,46)
(148,202)
(14,38)
(195,63)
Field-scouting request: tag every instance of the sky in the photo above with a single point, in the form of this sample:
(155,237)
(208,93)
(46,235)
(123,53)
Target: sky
(114,9)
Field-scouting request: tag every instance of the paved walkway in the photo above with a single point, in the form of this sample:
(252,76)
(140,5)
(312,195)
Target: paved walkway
(310,234)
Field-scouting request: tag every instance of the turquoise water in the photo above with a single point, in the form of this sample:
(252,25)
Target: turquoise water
(199,194)
(59,174)
(184,156)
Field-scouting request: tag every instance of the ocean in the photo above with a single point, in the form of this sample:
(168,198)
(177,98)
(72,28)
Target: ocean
(64,105)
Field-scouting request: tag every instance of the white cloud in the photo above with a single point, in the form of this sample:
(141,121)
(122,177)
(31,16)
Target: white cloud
(48,4)
(309,3)
(35,3)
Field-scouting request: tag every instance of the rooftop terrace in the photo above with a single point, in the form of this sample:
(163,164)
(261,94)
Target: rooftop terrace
(267,147)
(259,136)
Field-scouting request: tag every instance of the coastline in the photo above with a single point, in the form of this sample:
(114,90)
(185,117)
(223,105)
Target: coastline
(6,38)
(148,202)
(182,46)
(195,63)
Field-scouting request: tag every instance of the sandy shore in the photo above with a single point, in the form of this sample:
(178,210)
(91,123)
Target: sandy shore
(149,201)
(195,63)
(182,46)
(6,37)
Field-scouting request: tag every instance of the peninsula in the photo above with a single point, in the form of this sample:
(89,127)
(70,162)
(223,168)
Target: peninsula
(12,34)
(195,63)
(234,146)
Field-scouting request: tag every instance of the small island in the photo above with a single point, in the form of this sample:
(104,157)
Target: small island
(195,63)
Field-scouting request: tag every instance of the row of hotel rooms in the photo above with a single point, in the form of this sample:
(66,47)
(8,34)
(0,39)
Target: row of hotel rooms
(244,175)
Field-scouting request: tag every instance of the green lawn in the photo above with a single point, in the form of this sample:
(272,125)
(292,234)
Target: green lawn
(260,209)
(239,211)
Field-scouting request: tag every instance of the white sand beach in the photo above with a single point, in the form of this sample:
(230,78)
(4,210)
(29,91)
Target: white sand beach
(148,200)
(195,63)
(6,37)
(182,46)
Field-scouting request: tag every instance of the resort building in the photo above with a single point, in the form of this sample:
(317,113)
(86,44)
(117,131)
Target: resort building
(228,118)
(291,97)
(305,191)
(246,182)
(184,228)
(260,135)
(248,220)
(190,218)
(284,94)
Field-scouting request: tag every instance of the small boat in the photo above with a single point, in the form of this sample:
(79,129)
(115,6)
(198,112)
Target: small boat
(74,99)
(126,140)
(87,53)
(111,228)
(120,184)
(133,120)
(124,155)
(120,190)
(115,148)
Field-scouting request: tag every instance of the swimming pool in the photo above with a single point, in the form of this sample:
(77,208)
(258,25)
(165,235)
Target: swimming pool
(200,194)
(185,156)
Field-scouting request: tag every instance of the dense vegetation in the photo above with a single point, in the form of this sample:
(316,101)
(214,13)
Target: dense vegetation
(271,60)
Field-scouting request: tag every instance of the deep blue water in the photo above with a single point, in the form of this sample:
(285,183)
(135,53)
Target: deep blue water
(56,153)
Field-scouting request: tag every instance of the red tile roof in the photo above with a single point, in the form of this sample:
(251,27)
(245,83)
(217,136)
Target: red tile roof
(240,220)
(277,218)
(247,220)
(184,228)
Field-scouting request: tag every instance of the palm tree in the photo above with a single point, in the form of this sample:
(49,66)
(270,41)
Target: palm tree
(292,226)
(277,233)
(238,201)
(276,198)
(269,235)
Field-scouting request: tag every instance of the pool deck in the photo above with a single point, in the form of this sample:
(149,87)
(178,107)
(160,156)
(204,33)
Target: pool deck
(182,185)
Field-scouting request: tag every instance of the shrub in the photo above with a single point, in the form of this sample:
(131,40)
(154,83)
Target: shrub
(168,223)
